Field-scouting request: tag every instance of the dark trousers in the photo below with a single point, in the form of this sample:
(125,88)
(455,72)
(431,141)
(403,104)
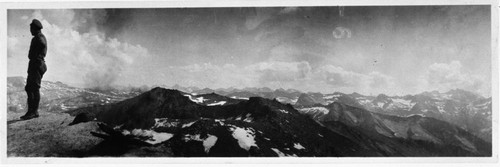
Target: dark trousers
(36,69)
(33,101)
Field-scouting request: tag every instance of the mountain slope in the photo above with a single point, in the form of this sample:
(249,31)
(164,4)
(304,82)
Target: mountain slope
(257,127)
(58,97)
(401,136)
(467,110)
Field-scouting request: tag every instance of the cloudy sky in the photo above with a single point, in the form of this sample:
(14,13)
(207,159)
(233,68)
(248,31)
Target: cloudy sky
(395,50)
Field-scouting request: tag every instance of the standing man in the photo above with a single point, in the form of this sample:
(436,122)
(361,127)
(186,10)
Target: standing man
(36,69)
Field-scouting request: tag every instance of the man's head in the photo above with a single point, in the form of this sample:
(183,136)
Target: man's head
(35,26)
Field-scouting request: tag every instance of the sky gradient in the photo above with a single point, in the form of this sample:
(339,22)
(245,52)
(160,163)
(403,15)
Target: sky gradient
(395,50)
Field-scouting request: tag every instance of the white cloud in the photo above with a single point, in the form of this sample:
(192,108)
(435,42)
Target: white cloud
(337,76)
(350,81)
(210,75)
(85,59)
(272,74)
(443,77)
(12,46)
(280,71)
(275,74)
(379,80)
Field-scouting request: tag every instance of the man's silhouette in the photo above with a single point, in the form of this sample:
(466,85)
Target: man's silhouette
(36,68)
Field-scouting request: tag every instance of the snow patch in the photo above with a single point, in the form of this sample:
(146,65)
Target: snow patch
(245,137)
(220,103)
(219,121)
(440,109)
(283,99)
(164,122)
(422,115)
(160,137)
(284,111)
(298,146)
(248,118)
(63,107)
(189,137)
(188,124)
(240,98)
(209,142)
(198,100)
(281,154)
(404,102)
(412,104)
(153,136)
(315,110)
(364,101)
(331,96)
(126,132)
(380,104)
(117,127)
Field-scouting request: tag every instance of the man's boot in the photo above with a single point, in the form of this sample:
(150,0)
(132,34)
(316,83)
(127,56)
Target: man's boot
(32,108)
(30,115)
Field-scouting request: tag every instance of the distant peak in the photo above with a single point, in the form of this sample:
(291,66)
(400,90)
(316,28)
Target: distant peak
(356,94)
(382,96)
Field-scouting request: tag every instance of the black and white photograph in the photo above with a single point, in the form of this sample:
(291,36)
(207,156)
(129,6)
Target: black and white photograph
(226,81)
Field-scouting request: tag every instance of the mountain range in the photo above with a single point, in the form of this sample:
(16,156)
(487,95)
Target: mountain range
(465,109)
(192,122)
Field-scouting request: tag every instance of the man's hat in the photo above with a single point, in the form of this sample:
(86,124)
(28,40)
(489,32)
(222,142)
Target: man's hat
(36,23)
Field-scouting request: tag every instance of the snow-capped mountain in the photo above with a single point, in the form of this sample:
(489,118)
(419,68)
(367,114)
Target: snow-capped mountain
(254,127)
(310,99)
(289,96)
(190,126)
(265,122)
(59,97)
(414,135)
(467,110)
(212,99)
(470,111)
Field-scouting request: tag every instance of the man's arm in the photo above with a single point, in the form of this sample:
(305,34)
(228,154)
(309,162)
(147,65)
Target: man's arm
(32,51)
(38,48)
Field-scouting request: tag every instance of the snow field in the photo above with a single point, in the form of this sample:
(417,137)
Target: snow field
(245,137)
(220,103)
(315,110)
(198,100)
(298,146)
(281,154)
(284,111)
(153,136)
(208,142)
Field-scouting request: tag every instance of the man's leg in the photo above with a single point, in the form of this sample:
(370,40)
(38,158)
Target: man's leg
(30,101)
(33,92)
(35,101)
(32,105)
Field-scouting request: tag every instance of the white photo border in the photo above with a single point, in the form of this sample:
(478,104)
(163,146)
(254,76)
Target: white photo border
(47,4)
